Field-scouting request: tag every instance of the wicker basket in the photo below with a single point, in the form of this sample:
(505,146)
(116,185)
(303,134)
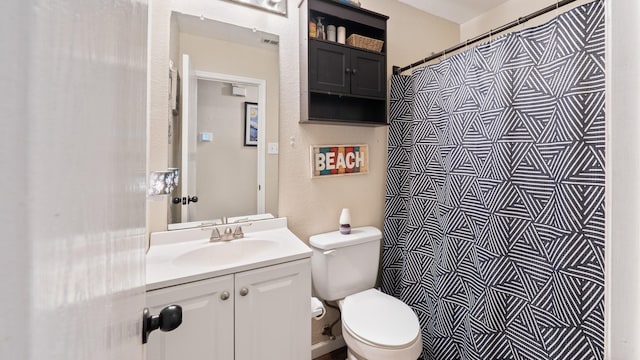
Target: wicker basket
(364,42)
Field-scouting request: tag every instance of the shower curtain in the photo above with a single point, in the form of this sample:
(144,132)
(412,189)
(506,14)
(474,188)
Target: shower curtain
(494,220)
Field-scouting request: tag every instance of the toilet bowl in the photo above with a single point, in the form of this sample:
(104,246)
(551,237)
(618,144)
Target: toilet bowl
(378,326)
(375,326)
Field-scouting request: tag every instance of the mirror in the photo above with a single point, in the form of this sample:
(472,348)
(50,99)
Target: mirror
(223,132)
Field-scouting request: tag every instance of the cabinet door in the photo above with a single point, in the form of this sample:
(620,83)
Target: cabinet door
(368,74)
(329,67)
(273,317)
(207,321)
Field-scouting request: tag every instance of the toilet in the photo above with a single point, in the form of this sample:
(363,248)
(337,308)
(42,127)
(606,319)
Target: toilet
(375,326)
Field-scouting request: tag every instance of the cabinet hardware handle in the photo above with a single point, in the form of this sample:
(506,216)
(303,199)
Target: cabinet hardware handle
(354,71)
(185,200)
(225,295)
(244,292)
(347,70)
(168,320)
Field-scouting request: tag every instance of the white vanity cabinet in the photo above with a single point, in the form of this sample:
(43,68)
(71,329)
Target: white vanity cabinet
(206,331)
(262,313)
(273,319)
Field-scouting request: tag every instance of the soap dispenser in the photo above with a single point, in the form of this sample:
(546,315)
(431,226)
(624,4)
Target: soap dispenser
(320,34)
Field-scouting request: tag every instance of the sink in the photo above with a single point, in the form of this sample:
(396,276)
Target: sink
(183,256)
(225,252)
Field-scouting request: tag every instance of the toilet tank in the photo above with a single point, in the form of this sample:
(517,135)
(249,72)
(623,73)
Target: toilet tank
(342,265)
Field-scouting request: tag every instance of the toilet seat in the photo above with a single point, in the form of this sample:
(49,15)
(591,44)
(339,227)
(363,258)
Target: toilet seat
(377,319)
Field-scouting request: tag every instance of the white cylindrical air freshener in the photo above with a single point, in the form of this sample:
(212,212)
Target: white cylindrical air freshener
(345,221)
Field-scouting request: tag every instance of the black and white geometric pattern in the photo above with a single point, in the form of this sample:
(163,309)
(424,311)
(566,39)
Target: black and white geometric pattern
(495,221)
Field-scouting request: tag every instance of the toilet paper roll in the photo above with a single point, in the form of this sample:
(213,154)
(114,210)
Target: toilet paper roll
(331,33)
(317,308)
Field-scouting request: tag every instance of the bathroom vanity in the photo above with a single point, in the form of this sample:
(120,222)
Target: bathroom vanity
(243,299)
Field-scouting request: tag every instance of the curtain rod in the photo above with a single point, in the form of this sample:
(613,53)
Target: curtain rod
(398,70)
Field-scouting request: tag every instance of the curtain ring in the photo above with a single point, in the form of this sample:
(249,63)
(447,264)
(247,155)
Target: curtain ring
(520,24)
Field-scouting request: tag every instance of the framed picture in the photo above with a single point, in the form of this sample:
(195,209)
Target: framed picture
(275,6)
(250,124)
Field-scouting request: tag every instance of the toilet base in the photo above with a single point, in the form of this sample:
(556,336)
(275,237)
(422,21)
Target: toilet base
(357,350)
(352,356)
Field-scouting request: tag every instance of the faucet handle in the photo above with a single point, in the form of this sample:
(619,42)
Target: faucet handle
(238,233)
(215,235)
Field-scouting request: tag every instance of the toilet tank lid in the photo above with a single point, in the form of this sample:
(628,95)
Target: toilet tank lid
(334,240)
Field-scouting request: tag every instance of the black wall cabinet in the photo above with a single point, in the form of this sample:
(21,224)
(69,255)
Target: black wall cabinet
(342,83)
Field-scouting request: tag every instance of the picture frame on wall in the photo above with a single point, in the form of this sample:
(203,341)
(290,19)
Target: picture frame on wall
(274,6)
(250,124)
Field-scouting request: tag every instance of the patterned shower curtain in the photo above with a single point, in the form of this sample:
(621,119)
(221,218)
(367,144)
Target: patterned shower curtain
(495,221)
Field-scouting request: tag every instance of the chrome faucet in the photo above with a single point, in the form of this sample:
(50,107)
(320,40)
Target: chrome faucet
(228,234)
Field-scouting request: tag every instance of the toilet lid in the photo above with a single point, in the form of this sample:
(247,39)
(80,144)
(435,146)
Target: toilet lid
(380,319)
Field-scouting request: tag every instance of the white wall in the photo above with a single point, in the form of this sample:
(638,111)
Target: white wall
(623,241)
(508,12)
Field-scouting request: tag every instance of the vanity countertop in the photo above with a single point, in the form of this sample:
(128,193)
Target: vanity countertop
(182,256)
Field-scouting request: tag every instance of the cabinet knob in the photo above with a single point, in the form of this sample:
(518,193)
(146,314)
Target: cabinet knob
(225,295)
(354,71)
(244,292)
(347,70)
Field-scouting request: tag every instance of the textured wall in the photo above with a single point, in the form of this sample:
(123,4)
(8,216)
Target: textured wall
(311,206)
(510,11)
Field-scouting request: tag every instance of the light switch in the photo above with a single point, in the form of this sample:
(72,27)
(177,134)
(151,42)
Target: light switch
(272,148)
(206,136)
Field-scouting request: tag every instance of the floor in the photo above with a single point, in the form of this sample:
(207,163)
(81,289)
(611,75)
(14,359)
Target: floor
(339,354)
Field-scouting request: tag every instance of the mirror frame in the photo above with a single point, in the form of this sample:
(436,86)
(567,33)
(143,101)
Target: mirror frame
(286,28)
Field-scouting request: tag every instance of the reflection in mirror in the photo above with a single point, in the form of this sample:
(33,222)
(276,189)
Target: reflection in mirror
(219,71)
